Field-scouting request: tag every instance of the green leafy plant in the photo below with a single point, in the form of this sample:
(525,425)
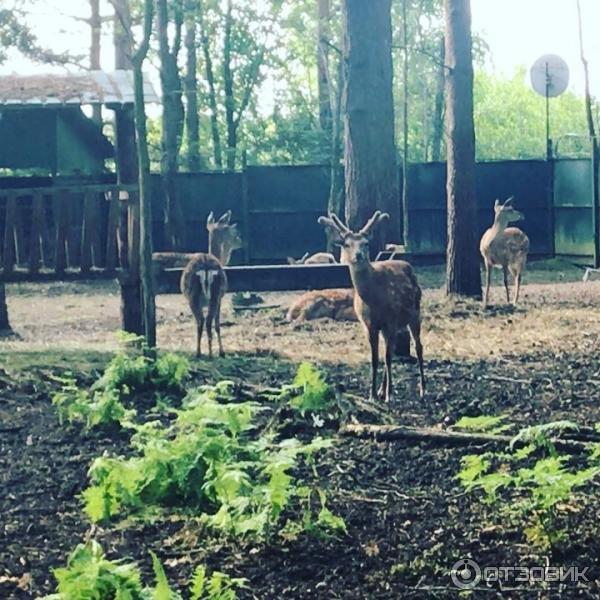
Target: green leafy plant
(205,461)
(75,405)
(309,392)
(90,575)
(127,373)
(530,484)
(483,423)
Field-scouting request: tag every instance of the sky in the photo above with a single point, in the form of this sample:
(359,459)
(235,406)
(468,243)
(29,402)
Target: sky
(517,32)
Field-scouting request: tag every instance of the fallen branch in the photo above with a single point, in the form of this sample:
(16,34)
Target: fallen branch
(444,437)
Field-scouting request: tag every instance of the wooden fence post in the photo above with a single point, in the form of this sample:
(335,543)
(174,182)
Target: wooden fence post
(245,210)
(37,229)
(111,232)
(8,254)
(61,220)
(90,235)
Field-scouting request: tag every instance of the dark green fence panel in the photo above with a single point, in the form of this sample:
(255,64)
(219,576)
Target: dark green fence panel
(284,204)
(573,231)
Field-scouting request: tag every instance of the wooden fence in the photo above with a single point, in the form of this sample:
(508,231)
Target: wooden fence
(70,231)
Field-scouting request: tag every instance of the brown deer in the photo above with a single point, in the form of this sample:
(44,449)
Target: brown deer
(316,259)
(223,238)
(387,297)
(506,247)
(203,281)
(336,304)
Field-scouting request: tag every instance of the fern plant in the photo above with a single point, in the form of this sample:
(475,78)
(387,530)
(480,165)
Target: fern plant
(90,575)
(526,486)
(309,392)
(205,461)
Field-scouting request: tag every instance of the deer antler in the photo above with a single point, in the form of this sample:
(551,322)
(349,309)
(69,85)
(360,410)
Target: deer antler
(342,227)
(377,217)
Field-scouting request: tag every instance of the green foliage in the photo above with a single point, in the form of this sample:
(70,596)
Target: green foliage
(309,391)
(75,405)
(483,423)
(218,586)
(126,374)
(206,462)
(90,575)
(510,119)
(529,489)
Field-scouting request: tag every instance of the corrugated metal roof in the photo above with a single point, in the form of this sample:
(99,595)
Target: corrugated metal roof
(94,87)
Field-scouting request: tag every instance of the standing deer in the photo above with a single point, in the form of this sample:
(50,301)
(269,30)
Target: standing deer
(506,247)
(387,297)
(203,281)
(315,259)
(223,238)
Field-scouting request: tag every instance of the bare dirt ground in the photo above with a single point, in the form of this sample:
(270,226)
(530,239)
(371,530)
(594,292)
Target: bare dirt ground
(408,518)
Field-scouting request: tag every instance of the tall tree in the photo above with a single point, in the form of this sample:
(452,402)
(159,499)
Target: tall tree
(369,149)
(127,173)
(172,114)
(192,124)
(462,267)
(148,299)
(324,79)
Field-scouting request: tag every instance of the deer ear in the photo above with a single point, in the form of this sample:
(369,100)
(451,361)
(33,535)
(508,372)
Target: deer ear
(224,220)
(508,201)
(291,261)
(497,204)
(210,220)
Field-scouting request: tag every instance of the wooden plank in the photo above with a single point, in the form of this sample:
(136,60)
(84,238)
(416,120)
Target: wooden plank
(48,276)
(111,233)
(274,278)
(87,225)
(8,252)
(61,221)
(100,188)
(37,227)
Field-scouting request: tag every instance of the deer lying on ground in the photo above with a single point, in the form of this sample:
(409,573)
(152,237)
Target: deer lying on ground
(203,281)
(336,304)
(315,259)
(387,297)
(506,247)
(223,238)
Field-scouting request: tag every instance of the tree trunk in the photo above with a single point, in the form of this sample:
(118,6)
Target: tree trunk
(438,108)
(96,31)
(462,256)
(324,33)
(4,322)
(145,244)
(192,125)
(212,91)
(369,149)
(172,119)
(405,232)
(127,172)
(230,150)
(336,186)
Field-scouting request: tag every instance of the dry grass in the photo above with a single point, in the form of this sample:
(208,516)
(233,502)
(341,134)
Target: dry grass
(58,318)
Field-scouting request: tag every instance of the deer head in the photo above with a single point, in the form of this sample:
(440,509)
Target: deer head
(354,245)
(505,213)
(223,237)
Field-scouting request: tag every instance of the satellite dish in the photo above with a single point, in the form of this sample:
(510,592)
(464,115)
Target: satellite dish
(549,75)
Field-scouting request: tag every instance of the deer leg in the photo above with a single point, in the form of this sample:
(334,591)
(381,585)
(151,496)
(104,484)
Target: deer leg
(199,327)
(488,280)
(505,273)
(415,330)
(390,341)
(517,287)
(209,321)
(218,328)
(374,343)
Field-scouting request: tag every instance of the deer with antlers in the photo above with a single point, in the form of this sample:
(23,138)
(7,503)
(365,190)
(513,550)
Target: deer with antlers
(387,297)
(506,247)
(203,281)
